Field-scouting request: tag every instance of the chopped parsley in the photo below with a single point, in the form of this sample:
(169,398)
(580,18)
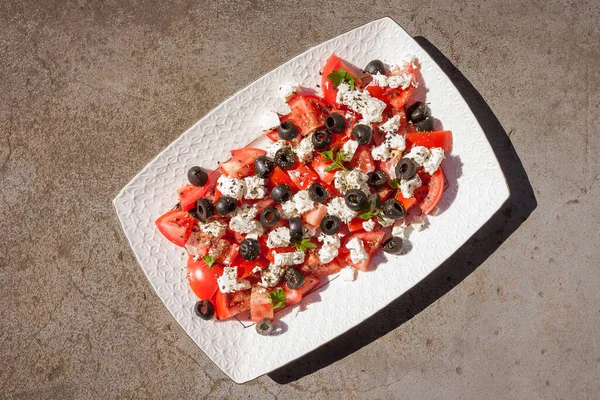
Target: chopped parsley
(210,260)
(337,160)
(277,298)
(305,244)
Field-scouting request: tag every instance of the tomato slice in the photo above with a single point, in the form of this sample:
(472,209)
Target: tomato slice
(308,112)
(241,163)
(315,216)
(441,139)
(334,63)
(356,225)
(310,283)
(202,278)
(224,251)
(292,296)
(245,267)
(385,193)
(176,226)
(406,203)
(229,304)
(302,176)
(314,266)
(429,196)
(319,164)
(260,305)
(371,241)
(279,177)
(189,193)
(363,160)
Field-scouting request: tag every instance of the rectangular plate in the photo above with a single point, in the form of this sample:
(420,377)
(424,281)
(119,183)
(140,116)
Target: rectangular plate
(477,189)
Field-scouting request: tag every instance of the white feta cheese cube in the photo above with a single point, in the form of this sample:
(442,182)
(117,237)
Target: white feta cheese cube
(255,187)
(304,150)
(327,253)
(436,156)
(379,80)
(271,275)
(256,269)
(381,152)
(330,240)
(243,221)
(407,187)
(215,229)
(361,102)
(302,202)
(419,154)
(228,281)
(231,187)
(268,121)
(285,259)
(279,237)
(337,206)
(391,125)
(357,250)
(368,225)
(348,150)
(347,274)
(287,89)
(419,222)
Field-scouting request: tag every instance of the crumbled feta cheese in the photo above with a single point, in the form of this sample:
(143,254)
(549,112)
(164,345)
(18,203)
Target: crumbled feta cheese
(436,155)
(402,80)
(419,154)
(407,187)
(419,222)
(271,275)
(348,150)
(355,179)
(381,152)
(369,107)
(385,221)
(255,187)
(256,269)
(285,259)
(399,230)
(274,147)
(380,80)
(329,240)
(368,225)
(228,281)
(357,250)
(287,89)
(337,206)
(268,121)
(297,205)
(304,150)
(347,274)
(327,254)
(231,187)
(288,209)
(215,228)
(391,125)
(243,221)
(395,142)
(279,237)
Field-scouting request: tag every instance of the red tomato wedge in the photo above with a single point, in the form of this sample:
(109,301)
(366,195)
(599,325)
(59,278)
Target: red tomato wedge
(314,266)
(441,139)
(229,304)
(315,216)
(293,296)
(302,176)
(319,165)
(308,112)
(245,267)
(371,241)
(363,160)
(356,225)
(406,203)
(241,163)
(429,195)
(334,63)
(176,226)
(279,177)
(202,278)
(260,305)
(385,193)
(189,193)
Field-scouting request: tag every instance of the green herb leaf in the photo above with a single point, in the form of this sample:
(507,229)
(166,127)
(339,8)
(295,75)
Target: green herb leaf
(328,154)
(336,159)
(367,215)
(277,298)
(339,76)
(332,167)
(210,260)
(305,244)
(394,183)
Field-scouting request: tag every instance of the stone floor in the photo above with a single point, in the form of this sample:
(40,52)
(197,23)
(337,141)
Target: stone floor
(91,91)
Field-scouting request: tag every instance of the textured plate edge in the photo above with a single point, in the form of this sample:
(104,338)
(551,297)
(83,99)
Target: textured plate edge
(233,374)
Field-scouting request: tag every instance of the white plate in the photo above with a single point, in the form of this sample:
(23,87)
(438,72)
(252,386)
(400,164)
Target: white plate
(476,190)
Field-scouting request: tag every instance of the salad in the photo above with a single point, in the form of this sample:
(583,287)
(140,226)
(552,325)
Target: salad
(345,174)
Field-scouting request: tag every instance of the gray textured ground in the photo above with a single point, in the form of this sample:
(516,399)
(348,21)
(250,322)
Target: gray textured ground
(90,92)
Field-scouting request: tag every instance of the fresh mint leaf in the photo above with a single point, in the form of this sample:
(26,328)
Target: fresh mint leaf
(305,244)
(394,183)
(277,298)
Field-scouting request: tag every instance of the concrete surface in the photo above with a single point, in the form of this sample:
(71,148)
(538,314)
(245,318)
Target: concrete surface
(92,91)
